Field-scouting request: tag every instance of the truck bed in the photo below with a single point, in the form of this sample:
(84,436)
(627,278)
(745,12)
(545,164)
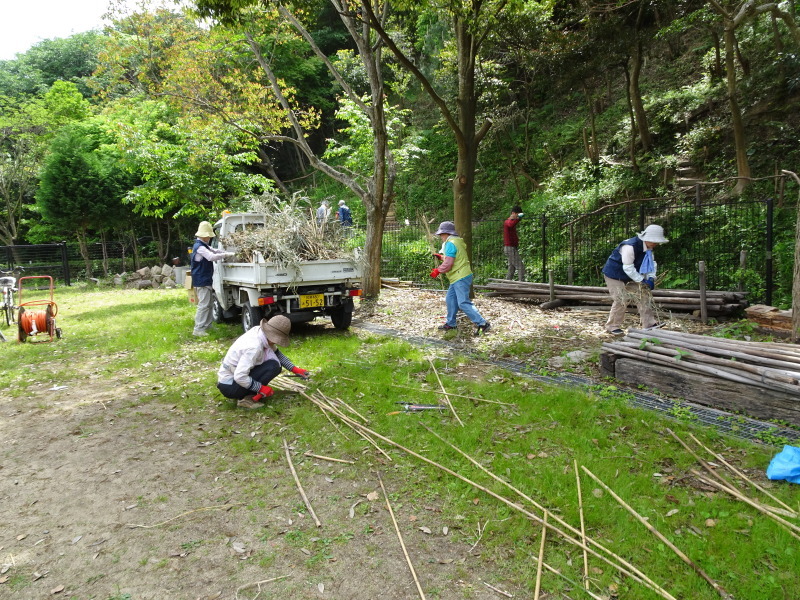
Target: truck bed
(318,272)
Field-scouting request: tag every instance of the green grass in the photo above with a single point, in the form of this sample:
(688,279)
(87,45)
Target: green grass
(141,342)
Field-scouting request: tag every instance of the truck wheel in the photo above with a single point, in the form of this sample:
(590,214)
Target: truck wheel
(341,318)
(251,316)
(216,310)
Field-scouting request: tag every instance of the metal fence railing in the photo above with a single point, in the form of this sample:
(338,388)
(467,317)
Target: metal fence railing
(735,239)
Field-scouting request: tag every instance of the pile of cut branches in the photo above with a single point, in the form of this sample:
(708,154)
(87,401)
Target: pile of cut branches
(291,234)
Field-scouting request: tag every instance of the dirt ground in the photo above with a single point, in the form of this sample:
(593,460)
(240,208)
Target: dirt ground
(105,496)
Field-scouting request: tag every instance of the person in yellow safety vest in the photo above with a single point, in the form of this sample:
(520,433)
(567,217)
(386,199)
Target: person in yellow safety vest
(455,266)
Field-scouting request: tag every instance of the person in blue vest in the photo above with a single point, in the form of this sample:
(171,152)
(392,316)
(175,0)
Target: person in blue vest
(455,265)
(630,274)
(202,271)
(344,215)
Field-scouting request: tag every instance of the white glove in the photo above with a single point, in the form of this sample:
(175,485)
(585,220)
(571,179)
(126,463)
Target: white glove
(230,254)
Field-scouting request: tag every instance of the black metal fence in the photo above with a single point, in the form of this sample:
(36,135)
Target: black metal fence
(745,245)
(735,239)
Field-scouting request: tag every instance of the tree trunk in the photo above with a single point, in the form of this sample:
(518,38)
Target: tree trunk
(740,145)
(636,99)
(632,116)
(84,248)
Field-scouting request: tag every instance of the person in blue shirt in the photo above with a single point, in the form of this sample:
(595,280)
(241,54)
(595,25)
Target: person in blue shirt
(630,274)
(203,257)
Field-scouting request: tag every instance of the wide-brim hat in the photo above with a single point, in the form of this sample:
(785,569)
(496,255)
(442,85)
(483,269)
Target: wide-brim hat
(277,329)
(204,230)
(653,233)
(446,227)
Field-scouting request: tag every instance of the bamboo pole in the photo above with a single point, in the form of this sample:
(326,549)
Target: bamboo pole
(402,543)
(737,472)
(719,589)
(583,526)
(300,487)
(783,522)
(638,576)
(574,584)
(541,558)
(701,268)
(337,460)
(446,398)
(429,391)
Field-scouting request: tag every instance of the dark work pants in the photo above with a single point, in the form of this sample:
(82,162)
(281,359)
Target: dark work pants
(263,373)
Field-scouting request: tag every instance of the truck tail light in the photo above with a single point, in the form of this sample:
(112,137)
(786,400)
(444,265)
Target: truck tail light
(263,300)
(353,292)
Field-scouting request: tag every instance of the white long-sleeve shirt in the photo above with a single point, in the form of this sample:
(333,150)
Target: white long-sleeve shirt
(627,254)
(247,352)
(210,253)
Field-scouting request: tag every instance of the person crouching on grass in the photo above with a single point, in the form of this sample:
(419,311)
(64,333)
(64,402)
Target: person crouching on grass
(455,265)
(254,360)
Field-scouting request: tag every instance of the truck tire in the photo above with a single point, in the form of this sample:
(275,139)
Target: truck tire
(341,318)
(217,314)
(251,316)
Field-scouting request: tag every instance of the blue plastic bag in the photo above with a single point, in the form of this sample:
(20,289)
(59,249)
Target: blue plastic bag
(785,465)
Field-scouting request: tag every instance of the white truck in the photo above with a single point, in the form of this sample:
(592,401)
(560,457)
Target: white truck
(260,289)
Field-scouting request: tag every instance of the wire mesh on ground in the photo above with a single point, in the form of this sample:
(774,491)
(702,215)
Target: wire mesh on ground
(734,425)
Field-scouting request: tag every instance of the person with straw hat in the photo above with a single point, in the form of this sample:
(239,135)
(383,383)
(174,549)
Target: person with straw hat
(630,273)
(202,270)
(455,266)
(254,360)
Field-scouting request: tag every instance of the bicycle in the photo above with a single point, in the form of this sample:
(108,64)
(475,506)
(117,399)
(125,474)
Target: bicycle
(8,285)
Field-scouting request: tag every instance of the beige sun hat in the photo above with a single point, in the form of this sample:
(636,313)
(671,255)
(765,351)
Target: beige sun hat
(204,230)
(653,233)
(277,329)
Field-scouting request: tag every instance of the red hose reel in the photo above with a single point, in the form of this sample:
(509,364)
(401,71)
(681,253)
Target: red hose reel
(32,323)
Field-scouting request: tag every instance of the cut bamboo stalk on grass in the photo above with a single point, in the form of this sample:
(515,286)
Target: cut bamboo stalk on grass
(446,398)
(736,494)
(429,391)
(623,566)
(718,588)
(499,591)
(337,460)
(724,483)
(400,538)
(350,408)
(538,587)
(325,407)
(572,582)
(583,544)
(583,526)
(744,477)
(258,585)
(300,487)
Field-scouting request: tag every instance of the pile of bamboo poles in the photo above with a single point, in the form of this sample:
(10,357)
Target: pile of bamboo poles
(717,303)
(771,366)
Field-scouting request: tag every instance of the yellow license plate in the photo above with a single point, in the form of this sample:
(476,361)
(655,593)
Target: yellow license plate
(312,301)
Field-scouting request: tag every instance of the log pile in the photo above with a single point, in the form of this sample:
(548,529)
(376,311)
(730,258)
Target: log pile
(719,304)
(771,319)
(758,378)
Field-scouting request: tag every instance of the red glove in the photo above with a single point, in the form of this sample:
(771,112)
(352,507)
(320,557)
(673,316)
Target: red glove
(435,273)
(264,392)
(301,372)
(439,256)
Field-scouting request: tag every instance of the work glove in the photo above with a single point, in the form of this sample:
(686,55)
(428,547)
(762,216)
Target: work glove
(230,254)
(520,215)
(301,372)
(264,392)
(649,283)
(439,256)
(435,273)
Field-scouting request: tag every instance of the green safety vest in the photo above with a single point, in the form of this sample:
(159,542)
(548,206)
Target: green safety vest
(461,266)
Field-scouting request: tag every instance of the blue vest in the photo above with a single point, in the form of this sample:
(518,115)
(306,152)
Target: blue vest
(613,266)
(203,269)
(346,217)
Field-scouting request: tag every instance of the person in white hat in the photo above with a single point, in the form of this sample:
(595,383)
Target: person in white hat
(202,271)
(343,215)
(455,266)
(254,360)
(630,274)
(323,212)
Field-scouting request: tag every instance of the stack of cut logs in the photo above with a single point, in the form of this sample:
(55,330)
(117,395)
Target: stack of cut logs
(395,282)
(718,303)
(759,378)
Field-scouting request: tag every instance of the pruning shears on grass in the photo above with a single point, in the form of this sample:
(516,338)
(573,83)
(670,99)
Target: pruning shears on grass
(409,407)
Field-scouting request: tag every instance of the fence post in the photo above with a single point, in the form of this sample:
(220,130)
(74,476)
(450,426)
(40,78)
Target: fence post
(551,281)
(701,267)
(742,267)
(641,217)
(544,245)
(768,274)
(65,263)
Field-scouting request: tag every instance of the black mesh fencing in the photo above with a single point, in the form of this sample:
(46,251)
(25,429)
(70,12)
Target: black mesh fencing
(735,240)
